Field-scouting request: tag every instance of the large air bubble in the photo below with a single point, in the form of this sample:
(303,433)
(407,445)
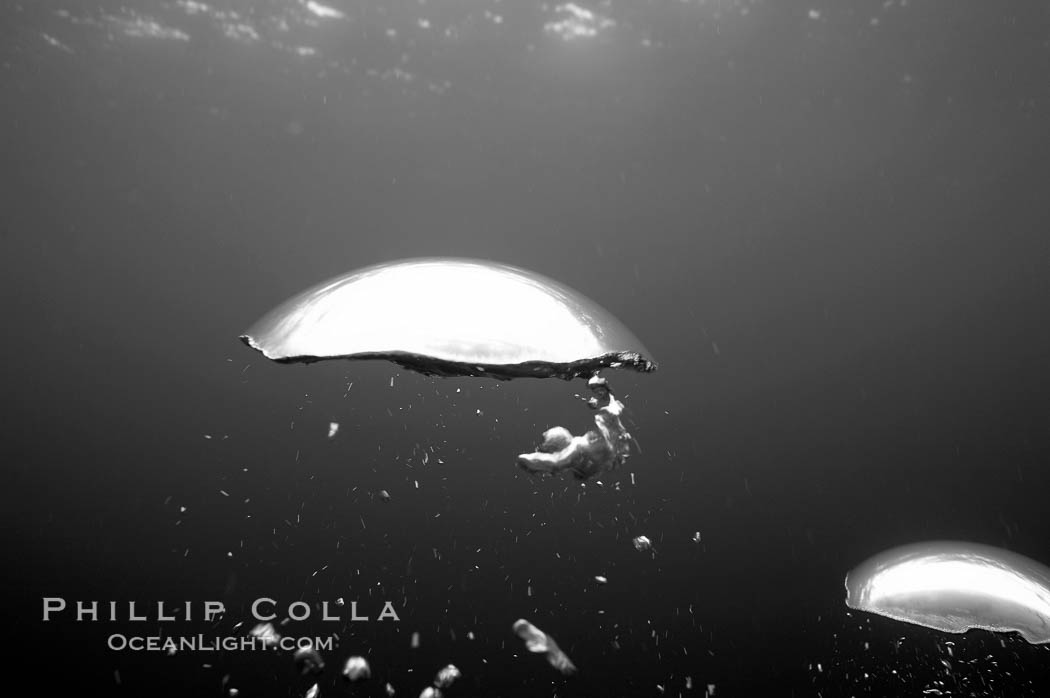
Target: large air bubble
(450,316)
(955,587)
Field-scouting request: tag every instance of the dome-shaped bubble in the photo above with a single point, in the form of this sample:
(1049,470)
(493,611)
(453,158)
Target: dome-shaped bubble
(450,317)
(955,587)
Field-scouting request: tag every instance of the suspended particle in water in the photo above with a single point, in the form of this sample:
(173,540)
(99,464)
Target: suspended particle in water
(541,643)
(356,669)
(390,690)
(430,692)
(696,537)
(333,429)
(447,676)
(308,661)
(415,640)
(601,580)
(642,543)
(314,691)
(384,496)
(266,632)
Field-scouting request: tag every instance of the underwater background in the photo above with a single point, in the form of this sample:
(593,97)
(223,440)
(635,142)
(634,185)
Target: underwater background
(828,221)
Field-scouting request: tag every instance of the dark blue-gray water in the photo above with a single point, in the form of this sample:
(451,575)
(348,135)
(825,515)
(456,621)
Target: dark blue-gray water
(828,221)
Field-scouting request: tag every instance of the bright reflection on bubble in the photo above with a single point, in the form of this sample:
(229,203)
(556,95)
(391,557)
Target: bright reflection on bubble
(447,676)
(450,317)
(324,11)
(356,669)
(955,587)
(577,22)
(266,632)
(541,643)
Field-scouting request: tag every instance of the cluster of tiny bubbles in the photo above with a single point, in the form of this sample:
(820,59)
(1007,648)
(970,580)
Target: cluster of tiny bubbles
(876,656)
